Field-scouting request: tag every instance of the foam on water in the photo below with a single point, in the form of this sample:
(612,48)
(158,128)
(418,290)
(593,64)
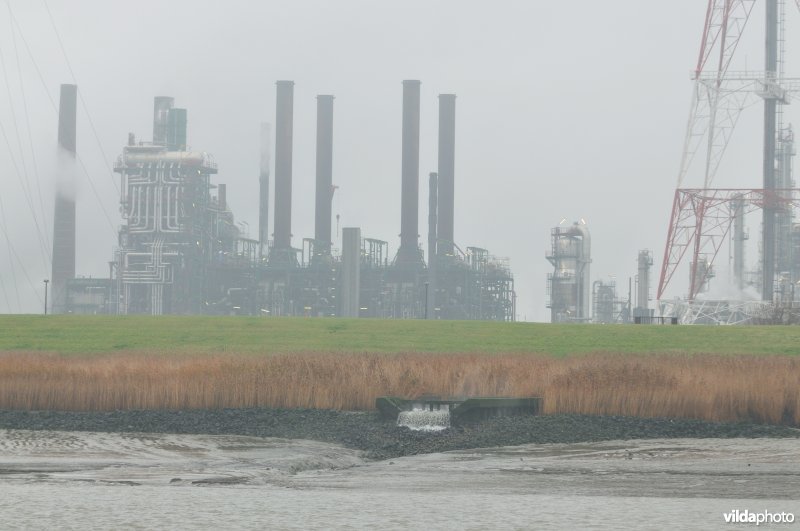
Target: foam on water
(424,420)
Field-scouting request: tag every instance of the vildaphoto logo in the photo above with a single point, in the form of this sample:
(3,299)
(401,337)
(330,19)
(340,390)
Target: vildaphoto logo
(764,517)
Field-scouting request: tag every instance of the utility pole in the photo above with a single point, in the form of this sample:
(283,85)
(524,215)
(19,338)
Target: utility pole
(45,295)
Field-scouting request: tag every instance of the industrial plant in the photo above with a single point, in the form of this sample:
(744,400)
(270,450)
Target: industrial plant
(180,250)
(705,220)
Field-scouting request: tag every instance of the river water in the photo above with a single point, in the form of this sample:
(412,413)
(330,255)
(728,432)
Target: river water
(73,480)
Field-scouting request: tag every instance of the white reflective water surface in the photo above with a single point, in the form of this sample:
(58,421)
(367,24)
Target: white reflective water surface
(105,481)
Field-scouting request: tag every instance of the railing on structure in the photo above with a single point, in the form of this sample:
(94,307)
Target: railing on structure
(647,319)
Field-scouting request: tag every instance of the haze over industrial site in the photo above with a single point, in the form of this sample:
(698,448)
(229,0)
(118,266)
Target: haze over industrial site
(579,120)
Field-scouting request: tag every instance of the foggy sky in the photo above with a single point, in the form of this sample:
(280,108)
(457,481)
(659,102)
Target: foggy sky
(565,110)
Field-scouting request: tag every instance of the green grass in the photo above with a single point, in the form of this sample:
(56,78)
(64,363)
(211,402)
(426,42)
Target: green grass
(95,334)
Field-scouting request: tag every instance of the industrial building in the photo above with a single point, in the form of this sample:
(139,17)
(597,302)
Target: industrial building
(574,298)
(569,287)
(180,250)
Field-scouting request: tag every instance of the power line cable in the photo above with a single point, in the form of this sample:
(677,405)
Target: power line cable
(42,212)
(97,196)
(33,60)
(27,198)
(5,294)
(10,253)
(23,178)
(22,265)
(80,96)
(55,109)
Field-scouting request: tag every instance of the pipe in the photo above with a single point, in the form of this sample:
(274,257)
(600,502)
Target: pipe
(324,191)
(585,307)
(447,149)
(433,218)
(283,164)
(409,208)
(263,192)
(433,231)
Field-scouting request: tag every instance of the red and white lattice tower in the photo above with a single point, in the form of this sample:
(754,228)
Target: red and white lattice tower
(702,216)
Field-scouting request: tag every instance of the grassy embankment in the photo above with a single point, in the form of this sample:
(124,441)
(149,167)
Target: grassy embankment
(102,363)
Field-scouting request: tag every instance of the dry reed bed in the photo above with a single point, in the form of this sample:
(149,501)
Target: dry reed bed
(709,387)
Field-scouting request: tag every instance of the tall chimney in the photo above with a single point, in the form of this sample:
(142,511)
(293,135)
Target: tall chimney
(447,157)
(409,206)
(324,193)
(770,121)
(64,215)
(283,165)
(161,108)
(263,192)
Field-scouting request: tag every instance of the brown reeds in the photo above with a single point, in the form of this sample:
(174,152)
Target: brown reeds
(709,387)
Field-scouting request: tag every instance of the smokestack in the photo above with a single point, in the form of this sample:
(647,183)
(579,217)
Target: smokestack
(283,165)
(222,196)
(409,207)
(176,130)
(263,195)
(64,215)
(161,108)
(447,159)
(770,126)
(324,193)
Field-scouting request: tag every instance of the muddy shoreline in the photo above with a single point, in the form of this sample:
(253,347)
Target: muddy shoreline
(381,439)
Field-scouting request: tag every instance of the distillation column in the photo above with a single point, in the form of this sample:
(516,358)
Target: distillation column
(644,263)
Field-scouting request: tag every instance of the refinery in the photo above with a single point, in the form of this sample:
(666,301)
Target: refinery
(180,249)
